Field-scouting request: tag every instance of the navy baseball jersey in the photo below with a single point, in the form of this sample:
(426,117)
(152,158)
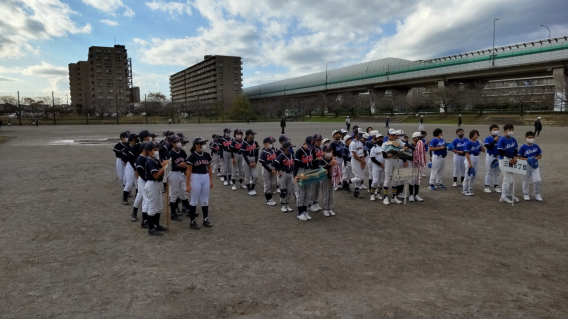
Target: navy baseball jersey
(199,162)
(284,163)
(250,149)
(226,143)
(177,157)
(267,157)
(128,156)
(337,148)
(153,166)
(214,147)
(236,146)
(509,145)
(473,148)
(118,149)
(527,151)
(303,159)
(141,166)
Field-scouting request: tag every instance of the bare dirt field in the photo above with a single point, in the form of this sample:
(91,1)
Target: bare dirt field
(69,249)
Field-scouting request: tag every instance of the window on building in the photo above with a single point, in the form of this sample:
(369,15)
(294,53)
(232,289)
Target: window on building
(109,64)
(118,51)
(119,78)
(109,97)
(107,58)
(99,77)
(97,50)
(109,77)
(99,70)
(99,64)
(108,71)
(107,51)
(119,83)
(101,97)
(100,83)
(120,91)
(118,58)
(119,64)
(100,90)
(120,97)
(119,71)
(109,90)
(109,83)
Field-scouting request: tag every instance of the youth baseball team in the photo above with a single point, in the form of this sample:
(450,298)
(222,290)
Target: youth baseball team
(345,160)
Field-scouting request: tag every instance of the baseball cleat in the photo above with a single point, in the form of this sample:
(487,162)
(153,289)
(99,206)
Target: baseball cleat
(193,225)
(243,186)
(505,200)
(432,187)
(326,213)
(307,215)
(396,200)
(331,212)
(277,191)
(124,202)
(225,183)
(468,193)
(283,209)
(441,186)
(222,179)
(487,190)
(313,208)
(318,207)
(497,189)
(234,187)
(538,197)
(455,184)
(373,197)
(155,232)
(386,201)
(270,202)
(207,223)
(301,217)
(418,198)
(252,193)
(289,208)
(161,228)
(411,198)
(516,199)
(526,197)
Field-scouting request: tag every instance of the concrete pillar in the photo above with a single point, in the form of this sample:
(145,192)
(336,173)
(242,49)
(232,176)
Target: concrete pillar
(375,94)
(560,89)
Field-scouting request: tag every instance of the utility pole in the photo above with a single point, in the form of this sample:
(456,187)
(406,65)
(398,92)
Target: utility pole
(198,111)
(19,109)
(116,105)
(146,107)
(85,110)
(53,108)
(493,57)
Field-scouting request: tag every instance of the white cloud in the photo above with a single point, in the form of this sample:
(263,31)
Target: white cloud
(110,6)
(109,22)
(174,8)
(30,21)
(46,69)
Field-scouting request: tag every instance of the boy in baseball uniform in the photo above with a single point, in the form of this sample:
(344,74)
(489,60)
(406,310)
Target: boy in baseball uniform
(531,153)
(459,156)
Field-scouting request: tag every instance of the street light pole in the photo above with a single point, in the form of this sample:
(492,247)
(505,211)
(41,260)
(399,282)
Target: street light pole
(493,58)
(326,73)
(259,97)
(548,30)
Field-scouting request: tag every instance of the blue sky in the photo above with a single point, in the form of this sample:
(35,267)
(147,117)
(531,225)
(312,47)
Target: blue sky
(277,39)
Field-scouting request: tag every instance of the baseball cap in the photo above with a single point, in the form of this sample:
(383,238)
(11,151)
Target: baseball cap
(325,140)
(198,140)
(214,136)
(143,145)
(269,139)
(416,134)
(123,134)
(132,136)
(392,131)
(365,135)
(317,137)
(335,132)
(249,132)
(143,134)
(282,138)
(310,141)
(153,135)
(373,133)
(287,144)
(168,133)
(400,132)
(360,131)
(327,148)
(378,134)
(151,145)
(227,130)
(347,137)
(174,138)
(539,117)
(238,131)
(343,131)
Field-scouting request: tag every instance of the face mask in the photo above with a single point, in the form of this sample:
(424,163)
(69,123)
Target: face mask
(460,136)
(495,133)
(269,145)
(511,133)
(178,145)
(440,137)
(227,134)
(337,138)
(124,140)
(183,147)
(380,143)
(156,155)
(328,155)
(530,140)
(291,150)
(238,137)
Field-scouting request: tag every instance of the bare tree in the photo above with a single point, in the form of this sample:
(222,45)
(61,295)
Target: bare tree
(446,97)
(8,103)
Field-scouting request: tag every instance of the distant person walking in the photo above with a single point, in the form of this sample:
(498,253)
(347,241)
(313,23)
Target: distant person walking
(283,124)
(387,122)
(537,126)
(421,125)
(9,122)
(170,121)
(348,123)
(1,125)
(459,120)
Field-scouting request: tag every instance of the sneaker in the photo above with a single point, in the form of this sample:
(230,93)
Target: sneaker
(252,193)
(307,215)
(386,201)
(219,175)
(124,202)
(373,197)
(234,187)
(468,193)
(283,209)
(225,183)
(505,200)
(516,199)
(231,182)
(155,232)
(455,184)
(318,207)
(378,196)
(396,200)
(326,213)
(400,196)
(363,186)
(538,198)
(301,217)
(161,228)
(193,225)
(222,179)
(270,202)
(487,190)
(411,198)
(418,198)
(331,213)
(463,192)
(277,190)
(289,208)
(432,187)
(441,186)
(243,186)
(313,208)
(497,189)
(175,217)
(207,223)
(526,197)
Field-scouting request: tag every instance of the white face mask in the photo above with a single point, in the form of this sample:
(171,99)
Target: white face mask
(530,140)
(124,140)
(156,155)
(510,133)
(183,147)
(328,155)
(269,145)
(178,145)
(238,136)
(495,133)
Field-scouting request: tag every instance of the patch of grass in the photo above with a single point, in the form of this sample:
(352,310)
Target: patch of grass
(327,119)
(441,119)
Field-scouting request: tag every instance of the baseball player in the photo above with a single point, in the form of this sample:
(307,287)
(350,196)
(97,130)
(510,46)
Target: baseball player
(303,161)
(421,125)
(328,163)
(391,162)
(527,151)
(128,160)
(316,187)
(377,167)
(347,169)
(459,156)
(118,148)
(141,179)
(418,161)
(237,158)
(250,151)
(215,157)
(199,181)
(165,147)
(492,169)
(284,165)
(266,159)
(357,162)
(152,194)
(337,147)
(226,156)
(176,179)
(399,185)
(507,147)
(282,139)
(472,149)
(439,151)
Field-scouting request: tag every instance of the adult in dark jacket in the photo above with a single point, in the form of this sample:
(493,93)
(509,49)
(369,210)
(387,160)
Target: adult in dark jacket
(537,126)
(283,124)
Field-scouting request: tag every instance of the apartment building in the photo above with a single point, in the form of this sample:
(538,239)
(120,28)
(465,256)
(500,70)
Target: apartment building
(79,82)
(216,78)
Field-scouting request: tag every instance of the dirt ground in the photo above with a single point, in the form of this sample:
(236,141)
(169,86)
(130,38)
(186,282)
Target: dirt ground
(69,249)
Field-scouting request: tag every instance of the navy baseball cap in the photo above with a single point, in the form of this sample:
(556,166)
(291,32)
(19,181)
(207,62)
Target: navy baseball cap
(143,134)
(132,136)
(150,146)
(269,139)
(227,130)
(238,131)
(310,142)
(327,148)
(317,137)
(123,134)
(287,145)
(214,136)
(249,132)
(198,140)
(283,138)
(168,133)
(174,138)
(153,135)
